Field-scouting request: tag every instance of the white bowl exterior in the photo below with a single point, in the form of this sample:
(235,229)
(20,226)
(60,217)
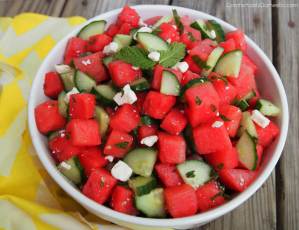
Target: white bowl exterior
(270,87)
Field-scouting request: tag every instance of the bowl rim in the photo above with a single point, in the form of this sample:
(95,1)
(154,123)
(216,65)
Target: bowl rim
(166,222)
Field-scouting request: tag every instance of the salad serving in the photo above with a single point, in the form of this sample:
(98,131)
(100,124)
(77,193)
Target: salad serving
(157,118)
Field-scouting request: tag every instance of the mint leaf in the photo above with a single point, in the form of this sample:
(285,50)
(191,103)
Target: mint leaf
(174,54)
(135,56)
(177,20)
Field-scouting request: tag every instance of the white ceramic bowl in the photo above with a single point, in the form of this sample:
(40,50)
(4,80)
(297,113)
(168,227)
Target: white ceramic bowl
(270,87)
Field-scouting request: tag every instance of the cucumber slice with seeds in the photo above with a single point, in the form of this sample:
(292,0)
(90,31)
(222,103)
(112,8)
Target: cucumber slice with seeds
(195,172)
(212,60)
(246,148)
(72,170)
(83,82)
(62,105)
(267,108)
(103,119)
(212,25)
(142,185)
(151,42)
(141,160)
(140,85)
(229,64)
(169,84)
(104,93)
(152,204)
(247,125)
(93,28)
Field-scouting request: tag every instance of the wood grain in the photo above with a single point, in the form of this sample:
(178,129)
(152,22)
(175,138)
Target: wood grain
(286,58)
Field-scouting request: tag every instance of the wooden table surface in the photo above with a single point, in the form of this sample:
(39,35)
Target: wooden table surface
(276,30)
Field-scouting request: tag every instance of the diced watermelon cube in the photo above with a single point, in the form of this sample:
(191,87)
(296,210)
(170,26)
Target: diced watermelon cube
(172,148)
(82,106)
(140,100)
(128,15)
(191,37)
(97,42)
(239,37)
(112,30)
(237,179)
(62,149)
(122,200)
(209,196)
(91,159)
(99,186)
(174,122)
(126,118)
(224,159)
(168,33)
(209,138)
(156,82)
(168,174)
(118,143)
(259,151)
(74,48)
(228,45)
(53,85)
(123,73)
(146,130)
(192,65)
(48,118)
(188,76)
(231,115)
(84,132)
(203,49)
(157,105)
(125,28)
(267,135)
(92,65)
(180,200)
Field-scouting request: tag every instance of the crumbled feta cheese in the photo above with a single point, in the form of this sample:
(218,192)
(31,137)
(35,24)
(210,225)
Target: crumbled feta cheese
(68,95)
(182,66)
(260,119)
(127,96)
(174,26)
(149,141)
(141,22)
(121,171)
(86,62)
(62,69)
(65,165)
(111,48)
(217,124)
(168,40)
(135,67)
(213,34)
(109,158)
(154,56)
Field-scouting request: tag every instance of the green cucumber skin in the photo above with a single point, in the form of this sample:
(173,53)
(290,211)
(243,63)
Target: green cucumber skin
(169,84)
(204,31)
(267,108)
(83,33)
(140,85)
(83,82)
(143,37)
(142,185)
(62,105)
(213,25)
(103,119)
(75,174)
(191,83)
(68,80)
(103,100)
(232,54)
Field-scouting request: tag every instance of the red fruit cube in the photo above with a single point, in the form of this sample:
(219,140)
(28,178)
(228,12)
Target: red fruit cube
(172,148)
(140,101)
(48,118)
(92,65)
(74,48)
(128,15)
(228,45)
(52,85)
(146,130)
(157,105)
(237,179)
(125,28)
(259,151)
(174,122)
(188,76)
(122,200)
(239,37)
(91,159)
(62,149)
(168,32)
(99,186)
(112,30)
(84,132)
(209,196)
(97,42)
(118,143)
(267,135)
(123,73)
(168,175)
(224,159)
(82,106)
(156,82)
(209,138)
(231,115)
(126,118)
(180,200)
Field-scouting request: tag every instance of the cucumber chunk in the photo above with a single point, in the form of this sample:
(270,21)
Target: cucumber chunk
(72,170)
(83,82)
(103,119)
(140,85)
(164,19)
(142,185)
(212,25)
(93,28)
(104,93)
(195,172)
(152,204)
(122,40)
(62,105)
(249,95)
(107,60)
(242,104)
(229,64)
(200,25)
(141,160)
(267,108)
(247,125)
(151,42)
(68,80)
(169,84)
(212,60)
(246,148)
